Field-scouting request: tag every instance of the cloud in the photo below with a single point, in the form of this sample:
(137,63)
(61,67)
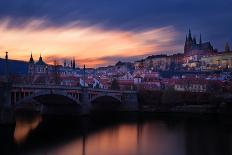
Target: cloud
(87,44)
(126,14)
(125,20)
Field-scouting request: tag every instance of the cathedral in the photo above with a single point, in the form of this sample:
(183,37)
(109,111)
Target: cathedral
(191,46)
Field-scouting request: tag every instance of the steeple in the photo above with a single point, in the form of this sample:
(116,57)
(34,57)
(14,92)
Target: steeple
(200,42)
(6,57)
(31,59)
(74,63)
(6,66)
(190,35)
(40,62)
(40,58)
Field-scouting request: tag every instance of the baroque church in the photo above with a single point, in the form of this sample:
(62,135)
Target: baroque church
(40,67)
(191,46)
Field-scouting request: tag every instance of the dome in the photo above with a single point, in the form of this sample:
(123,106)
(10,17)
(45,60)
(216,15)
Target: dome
(41,62)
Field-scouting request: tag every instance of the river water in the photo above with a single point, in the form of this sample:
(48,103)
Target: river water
(114,135)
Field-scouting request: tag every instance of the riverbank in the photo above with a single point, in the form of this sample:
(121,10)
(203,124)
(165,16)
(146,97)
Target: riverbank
(160,102)
(184,102)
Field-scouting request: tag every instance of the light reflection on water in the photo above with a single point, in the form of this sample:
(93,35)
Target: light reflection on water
(126,140)
(23,127)
(116,137)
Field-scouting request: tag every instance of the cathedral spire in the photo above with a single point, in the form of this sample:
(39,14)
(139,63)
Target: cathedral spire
(190,35)
(31,59)
(200,42)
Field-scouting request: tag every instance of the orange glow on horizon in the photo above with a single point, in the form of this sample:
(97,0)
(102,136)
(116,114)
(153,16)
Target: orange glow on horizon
(89,45)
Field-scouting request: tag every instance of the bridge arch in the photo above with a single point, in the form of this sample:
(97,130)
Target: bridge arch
(105,95)
(106,103)
(39,94)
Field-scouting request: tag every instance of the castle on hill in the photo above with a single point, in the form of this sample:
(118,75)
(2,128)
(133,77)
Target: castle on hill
(191,46)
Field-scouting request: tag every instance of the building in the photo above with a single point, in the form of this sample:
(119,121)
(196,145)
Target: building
(157,62)
(139,65)
(193,52)
(175,61)
(219,61)
(192,47)
(190,85)
(123,67)
(40,67)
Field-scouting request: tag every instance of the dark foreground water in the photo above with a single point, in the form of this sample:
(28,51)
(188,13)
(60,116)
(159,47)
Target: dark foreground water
(114,135)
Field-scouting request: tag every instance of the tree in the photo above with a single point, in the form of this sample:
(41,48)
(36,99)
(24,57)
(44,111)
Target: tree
(115,85)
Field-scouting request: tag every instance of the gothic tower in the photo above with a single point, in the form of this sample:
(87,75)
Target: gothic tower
(188,42)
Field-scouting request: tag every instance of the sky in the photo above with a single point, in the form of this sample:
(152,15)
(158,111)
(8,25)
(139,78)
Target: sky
(102,32)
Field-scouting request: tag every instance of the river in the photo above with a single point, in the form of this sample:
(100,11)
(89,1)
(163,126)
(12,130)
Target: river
(117,135)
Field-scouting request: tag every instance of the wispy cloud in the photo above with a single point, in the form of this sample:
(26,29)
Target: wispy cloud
(91,45)
(210,17)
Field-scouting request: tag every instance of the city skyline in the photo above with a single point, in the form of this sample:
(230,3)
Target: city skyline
(98,36)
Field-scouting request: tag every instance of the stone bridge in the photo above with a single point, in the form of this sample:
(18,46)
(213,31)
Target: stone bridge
(57,99)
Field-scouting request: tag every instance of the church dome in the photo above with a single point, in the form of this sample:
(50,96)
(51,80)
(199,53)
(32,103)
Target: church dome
(41,62)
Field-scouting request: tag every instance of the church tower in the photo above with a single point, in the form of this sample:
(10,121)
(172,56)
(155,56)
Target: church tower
(188,42)
(74,64)
(31,65)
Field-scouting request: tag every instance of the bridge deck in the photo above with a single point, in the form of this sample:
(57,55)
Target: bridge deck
(23,86)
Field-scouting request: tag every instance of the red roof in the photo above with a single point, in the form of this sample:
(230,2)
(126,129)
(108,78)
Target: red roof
(125,82)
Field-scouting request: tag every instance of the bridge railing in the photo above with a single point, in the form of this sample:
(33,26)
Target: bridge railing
(28,86)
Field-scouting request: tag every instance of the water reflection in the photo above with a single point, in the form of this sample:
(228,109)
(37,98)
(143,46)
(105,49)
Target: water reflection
(126,140)
(136,136)
(24,126)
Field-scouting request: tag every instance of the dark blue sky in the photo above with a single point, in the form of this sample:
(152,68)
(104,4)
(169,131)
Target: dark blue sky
(213,18)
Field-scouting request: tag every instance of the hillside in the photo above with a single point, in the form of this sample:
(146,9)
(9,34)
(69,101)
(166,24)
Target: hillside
(16,67)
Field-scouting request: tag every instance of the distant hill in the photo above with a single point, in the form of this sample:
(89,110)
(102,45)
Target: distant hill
(16,67)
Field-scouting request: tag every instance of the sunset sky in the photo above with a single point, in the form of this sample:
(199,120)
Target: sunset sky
(101,32)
